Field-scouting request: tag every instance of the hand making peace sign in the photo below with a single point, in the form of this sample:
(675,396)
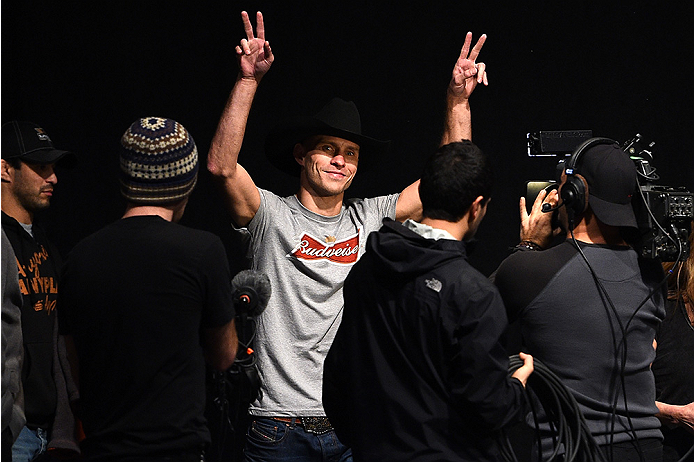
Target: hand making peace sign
(254,53)
(463,81)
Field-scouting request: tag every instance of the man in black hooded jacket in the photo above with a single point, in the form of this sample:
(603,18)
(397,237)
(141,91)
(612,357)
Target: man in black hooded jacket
(28,180)
(417,370)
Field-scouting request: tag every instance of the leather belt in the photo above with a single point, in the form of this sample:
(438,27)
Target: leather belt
(317,425)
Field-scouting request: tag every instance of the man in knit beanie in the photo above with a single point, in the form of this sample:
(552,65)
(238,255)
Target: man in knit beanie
(145,301)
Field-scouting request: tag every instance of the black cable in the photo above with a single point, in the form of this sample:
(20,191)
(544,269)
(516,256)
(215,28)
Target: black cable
(623,344)
(573,440)
(653,218)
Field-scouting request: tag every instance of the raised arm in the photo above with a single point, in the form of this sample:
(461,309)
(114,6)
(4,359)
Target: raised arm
(255,58)
(458,126)
(467,73)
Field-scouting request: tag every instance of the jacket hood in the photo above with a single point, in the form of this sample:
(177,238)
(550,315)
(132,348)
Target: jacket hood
(14,228)
(25,246)
(397,249)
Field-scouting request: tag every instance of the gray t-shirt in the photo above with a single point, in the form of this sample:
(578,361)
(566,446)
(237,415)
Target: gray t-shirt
(307,258)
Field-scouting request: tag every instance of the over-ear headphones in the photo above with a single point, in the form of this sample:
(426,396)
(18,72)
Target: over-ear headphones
(574,192)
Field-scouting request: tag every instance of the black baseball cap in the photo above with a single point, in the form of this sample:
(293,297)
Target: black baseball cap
(30,143)
(612,182)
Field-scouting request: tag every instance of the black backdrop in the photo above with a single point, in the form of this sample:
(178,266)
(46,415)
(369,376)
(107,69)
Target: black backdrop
(85,71)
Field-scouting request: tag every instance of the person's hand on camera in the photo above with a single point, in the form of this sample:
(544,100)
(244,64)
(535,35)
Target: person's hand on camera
(536,227)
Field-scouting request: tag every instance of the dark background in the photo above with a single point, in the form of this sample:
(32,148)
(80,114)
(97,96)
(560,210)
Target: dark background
(85,71)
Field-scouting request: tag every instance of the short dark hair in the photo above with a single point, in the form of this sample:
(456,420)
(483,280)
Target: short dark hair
(454,176)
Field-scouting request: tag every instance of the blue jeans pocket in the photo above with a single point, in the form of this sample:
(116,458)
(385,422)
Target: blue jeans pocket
(267,431)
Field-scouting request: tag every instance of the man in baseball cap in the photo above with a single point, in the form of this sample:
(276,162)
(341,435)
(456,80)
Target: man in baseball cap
(28,179)
(29,142)
(611,183)
(580,303)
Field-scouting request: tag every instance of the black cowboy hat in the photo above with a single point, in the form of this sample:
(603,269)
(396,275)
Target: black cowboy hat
(338,118)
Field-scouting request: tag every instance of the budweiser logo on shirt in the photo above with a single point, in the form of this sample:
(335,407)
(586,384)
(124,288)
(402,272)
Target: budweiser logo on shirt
(343,252)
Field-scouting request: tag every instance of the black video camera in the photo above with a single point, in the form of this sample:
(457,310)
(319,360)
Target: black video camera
(664,214)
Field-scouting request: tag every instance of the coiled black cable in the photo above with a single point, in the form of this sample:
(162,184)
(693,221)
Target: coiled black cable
(572,438)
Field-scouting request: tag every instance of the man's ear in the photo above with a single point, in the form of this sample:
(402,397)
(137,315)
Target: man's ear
(476,208)
(299,153)
(6,171)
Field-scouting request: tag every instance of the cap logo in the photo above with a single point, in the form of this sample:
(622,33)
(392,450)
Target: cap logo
(342,252)
(42,134)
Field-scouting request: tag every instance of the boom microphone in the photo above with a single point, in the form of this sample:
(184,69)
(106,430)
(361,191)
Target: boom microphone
(546,208)
(252,291)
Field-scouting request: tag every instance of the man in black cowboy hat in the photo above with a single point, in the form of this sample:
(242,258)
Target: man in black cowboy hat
(308,242)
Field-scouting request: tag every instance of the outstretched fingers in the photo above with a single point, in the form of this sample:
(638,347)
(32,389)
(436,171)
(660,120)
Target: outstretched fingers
(466,47)
(246,43)
(478,46)
(466,65)
(253,52)
(248,27)
(260,25)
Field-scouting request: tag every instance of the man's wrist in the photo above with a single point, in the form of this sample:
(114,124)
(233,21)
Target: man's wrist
(527,244)
(248,80)
(455,99)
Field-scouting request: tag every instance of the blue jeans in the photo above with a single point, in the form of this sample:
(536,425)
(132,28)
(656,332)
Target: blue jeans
(29,445)
(269,440)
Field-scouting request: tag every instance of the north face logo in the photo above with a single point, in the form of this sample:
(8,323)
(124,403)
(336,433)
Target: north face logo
(343,252)
(434,284)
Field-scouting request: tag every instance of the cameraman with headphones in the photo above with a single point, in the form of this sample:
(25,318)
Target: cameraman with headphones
(589,307)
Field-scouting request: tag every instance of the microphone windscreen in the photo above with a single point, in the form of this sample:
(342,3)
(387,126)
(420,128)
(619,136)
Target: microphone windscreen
(254,284)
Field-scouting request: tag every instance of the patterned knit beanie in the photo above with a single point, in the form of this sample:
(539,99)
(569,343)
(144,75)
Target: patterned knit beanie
(158,162)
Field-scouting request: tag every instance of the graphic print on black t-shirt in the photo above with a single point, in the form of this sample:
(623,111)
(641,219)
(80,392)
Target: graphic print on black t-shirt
(42,290)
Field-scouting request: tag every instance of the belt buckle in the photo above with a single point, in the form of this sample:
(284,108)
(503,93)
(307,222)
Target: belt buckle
(317,425)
